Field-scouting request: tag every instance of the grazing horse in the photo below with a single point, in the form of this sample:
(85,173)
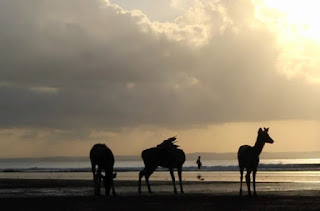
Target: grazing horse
(248,157)
(101,156)
(165,155)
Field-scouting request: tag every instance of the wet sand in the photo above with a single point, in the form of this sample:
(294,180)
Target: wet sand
(20,194)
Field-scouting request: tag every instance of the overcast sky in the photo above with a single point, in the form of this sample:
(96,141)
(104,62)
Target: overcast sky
(130,73)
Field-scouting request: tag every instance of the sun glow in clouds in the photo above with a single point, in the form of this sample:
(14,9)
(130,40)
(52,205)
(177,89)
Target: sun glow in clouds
(297,25)
(303,15)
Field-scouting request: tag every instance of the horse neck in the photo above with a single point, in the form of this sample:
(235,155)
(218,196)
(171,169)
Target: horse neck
(258,147)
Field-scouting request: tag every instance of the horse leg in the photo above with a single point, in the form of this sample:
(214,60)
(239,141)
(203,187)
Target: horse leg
(141,174)
(114,175)
(173,180)
(180,178)
(95,178)
(113,190)
(98,181)
(254,182)
(248,181)
(241,178)
(112,185)
(108,181)
(147,175)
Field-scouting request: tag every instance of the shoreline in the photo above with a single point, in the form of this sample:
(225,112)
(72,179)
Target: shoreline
(80,187)
(12,183)
(69,194)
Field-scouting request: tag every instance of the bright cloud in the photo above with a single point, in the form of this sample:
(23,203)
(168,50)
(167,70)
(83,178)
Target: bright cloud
(297,29)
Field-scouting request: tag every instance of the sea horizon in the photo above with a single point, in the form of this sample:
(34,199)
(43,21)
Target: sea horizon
(193,155)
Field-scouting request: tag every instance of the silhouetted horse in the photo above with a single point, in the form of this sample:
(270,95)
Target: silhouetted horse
(248,157)
(101,156)
(165,155)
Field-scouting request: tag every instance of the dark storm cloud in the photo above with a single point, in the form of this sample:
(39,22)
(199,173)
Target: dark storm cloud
(83,64)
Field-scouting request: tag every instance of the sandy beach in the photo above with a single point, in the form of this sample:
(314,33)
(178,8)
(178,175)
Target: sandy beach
(34,194)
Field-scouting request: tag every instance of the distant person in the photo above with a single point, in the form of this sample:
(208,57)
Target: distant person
(199,162)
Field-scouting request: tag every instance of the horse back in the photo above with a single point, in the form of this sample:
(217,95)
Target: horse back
(102,156)
(159,157)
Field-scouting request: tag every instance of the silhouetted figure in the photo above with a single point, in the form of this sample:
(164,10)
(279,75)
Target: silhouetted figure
(101,156)
(248,157)
(199,162)
(166,155)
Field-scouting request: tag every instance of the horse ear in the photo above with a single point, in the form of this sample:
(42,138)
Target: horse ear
(266,129)
(260,130)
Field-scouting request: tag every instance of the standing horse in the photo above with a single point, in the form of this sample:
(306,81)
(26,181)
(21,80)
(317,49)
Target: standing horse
(248,157)
(165,155)
(101,156)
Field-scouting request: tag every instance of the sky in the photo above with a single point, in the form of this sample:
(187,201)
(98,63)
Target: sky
(131,73)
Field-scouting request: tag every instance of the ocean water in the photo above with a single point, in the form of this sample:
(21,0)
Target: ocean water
(269,170)
(48,165)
